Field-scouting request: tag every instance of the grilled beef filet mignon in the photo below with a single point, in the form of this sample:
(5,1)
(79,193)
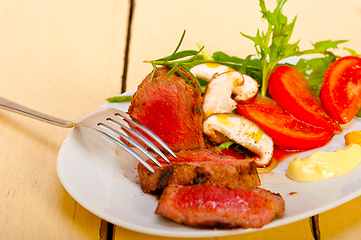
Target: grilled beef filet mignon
(207,206)
(202,187)
(171,108)
(201,166)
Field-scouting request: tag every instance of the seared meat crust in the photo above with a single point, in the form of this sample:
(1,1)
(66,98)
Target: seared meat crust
(201,166)
(171,108)
(202,187)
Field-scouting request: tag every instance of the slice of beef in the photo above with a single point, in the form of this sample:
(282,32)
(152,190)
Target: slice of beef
(201,166)
(207,206)
(171,108)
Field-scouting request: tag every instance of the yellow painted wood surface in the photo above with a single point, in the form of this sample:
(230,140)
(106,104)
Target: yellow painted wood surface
(322,21)
(297,230)
(65,57)
(62,58)
(343,222)
(217,25)
(158,26)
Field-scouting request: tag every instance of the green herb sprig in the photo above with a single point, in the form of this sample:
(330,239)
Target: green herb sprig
(123,98)
(179,59)
(273,46)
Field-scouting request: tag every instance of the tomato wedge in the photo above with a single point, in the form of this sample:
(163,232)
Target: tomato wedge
(292,92)
(341,90)
(287,132)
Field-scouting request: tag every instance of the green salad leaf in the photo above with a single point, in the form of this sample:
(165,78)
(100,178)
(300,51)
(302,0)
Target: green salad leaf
(314,69)
(225,145)
(352,52)
(273,46)
(247,66)
(124,98)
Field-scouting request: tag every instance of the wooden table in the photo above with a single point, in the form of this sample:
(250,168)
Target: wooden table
(66,57)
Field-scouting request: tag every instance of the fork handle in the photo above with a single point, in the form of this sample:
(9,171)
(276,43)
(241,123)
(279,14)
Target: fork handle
(17,108)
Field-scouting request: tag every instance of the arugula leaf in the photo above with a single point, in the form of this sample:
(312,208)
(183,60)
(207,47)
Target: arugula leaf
(323,46)
(273,46)
(314,69)
(239,149)
(124,98)
(225,145)
(247,66)
(358,113)
(352,52)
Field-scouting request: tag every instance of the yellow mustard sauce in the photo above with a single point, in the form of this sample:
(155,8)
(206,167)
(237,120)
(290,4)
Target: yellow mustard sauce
(257,136)
(322,165)
(217,65)
(212,64)
(353,137)
(269,167)
(222,119)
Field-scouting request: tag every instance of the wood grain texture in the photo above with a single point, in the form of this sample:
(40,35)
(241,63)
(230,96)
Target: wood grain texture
(326,20)
(65,57)
(158,25)
(334,20)
(62,58)
(343,222)
(297,230)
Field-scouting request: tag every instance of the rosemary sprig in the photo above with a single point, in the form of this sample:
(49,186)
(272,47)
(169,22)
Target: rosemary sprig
(123,98)
(271,47)
(179,59)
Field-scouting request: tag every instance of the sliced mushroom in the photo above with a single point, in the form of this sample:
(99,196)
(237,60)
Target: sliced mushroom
(206,71)
(220,128)
(218,94)
(247,91)
(243,93)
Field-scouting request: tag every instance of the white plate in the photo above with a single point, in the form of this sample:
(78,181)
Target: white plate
(103,179)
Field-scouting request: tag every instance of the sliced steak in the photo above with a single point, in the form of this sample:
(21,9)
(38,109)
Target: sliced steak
(207,206)
(171,108)
(201,166)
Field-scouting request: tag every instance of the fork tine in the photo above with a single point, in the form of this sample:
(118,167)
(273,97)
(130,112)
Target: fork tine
(132,141)
(135,132)
(127,117)
(127,148)
(91,121)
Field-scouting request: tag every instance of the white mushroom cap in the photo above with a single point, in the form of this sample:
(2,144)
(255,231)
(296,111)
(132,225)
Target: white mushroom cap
(206,71)
(218,94)
(220,128)
(247,91)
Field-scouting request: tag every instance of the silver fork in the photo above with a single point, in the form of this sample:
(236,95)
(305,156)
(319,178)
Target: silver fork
(107,121)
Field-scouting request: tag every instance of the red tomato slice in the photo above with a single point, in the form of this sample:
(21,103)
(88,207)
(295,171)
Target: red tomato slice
(233,153)
(341,90)
(287,132)
(292,92)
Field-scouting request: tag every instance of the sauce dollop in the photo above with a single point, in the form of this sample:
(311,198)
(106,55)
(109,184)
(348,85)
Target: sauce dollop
(322,165)
(353,137)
